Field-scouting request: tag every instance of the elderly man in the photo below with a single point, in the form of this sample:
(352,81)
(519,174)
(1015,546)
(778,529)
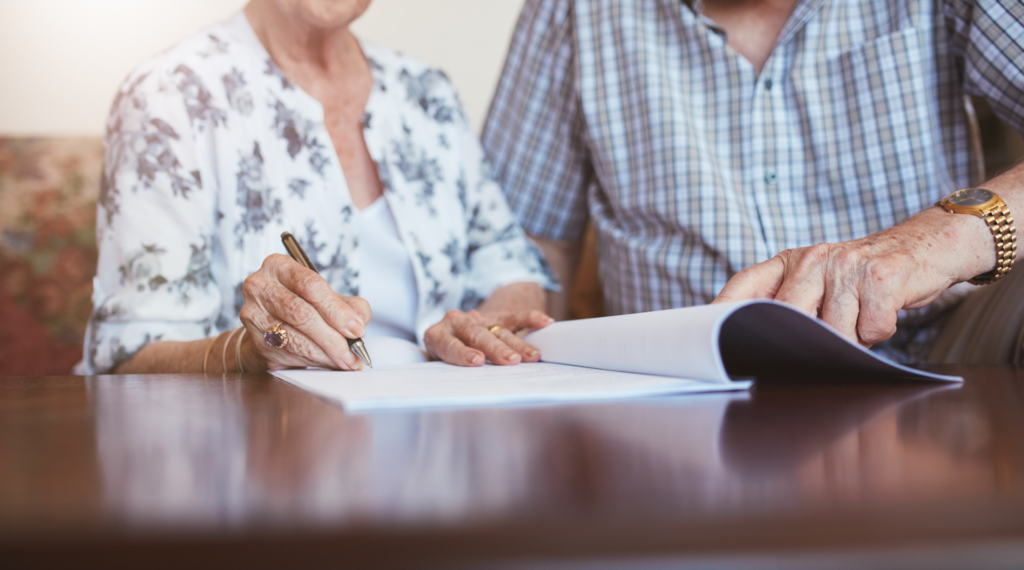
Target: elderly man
(788,149)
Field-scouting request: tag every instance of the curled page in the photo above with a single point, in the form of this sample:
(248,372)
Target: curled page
(716,343)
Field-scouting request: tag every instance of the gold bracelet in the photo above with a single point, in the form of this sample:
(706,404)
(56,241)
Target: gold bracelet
(206,353)
(238,352)
(996,214)
(224,353)
(1000,223)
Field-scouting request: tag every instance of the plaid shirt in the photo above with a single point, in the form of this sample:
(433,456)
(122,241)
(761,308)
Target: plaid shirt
(693,166)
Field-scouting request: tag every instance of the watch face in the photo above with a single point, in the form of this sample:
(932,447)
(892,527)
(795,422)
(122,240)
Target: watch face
(971,197)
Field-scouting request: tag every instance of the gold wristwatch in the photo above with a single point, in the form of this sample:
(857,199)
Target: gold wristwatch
(991,208)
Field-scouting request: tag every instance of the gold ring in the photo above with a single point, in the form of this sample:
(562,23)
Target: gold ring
(495,328)
(276,336)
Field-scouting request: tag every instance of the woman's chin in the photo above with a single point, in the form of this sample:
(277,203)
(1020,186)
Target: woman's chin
(325,14)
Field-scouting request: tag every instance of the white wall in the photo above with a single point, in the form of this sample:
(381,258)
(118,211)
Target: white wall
(62,60)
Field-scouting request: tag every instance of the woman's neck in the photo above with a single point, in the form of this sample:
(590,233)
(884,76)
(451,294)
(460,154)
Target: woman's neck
(327,63)
(311,56)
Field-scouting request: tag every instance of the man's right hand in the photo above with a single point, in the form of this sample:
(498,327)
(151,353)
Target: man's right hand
(317,319)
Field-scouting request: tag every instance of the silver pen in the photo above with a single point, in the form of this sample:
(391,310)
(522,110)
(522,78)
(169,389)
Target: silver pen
(356,345)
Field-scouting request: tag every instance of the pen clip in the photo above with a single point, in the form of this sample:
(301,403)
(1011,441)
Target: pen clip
(295,250)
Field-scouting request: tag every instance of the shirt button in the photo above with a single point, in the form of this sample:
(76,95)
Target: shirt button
(768,84)
(771,177)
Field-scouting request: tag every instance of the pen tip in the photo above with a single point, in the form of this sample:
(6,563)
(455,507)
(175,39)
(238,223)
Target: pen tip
(360,349)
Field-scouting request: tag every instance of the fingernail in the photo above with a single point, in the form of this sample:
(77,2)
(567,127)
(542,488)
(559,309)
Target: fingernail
(513,357)
(474,358)
(550,320)
(350,360)
(531,353)
(355,328)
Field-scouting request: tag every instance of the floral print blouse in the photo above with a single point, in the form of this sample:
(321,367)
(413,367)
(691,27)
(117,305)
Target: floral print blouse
(211,152)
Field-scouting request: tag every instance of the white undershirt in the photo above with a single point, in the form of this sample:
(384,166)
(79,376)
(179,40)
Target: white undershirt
(386,277)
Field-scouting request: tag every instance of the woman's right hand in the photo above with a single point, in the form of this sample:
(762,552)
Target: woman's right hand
(317,319)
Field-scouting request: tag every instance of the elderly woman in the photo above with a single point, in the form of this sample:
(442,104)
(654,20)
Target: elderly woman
(279,119)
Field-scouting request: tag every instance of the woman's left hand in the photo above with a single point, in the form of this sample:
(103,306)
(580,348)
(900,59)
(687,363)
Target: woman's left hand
(465,339)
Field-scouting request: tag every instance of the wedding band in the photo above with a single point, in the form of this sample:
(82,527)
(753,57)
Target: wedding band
(276,336)
(495,328)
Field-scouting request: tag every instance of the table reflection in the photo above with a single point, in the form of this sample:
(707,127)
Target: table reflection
(170,451)
(222,452)
(866,446)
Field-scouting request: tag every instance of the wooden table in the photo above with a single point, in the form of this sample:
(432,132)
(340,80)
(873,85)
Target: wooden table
(185,471)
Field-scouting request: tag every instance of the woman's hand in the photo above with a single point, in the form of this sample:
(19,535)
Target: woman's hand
(464,339)
(317,319)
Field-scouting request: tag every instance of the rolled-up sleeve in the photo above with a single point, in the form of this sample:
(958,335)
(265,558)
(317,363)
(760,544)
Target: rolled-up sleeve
(535,134)
(155,228)
(989,36)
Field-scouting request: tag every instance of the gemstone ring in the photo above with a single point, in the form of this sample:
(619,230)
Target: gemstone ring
(276,336)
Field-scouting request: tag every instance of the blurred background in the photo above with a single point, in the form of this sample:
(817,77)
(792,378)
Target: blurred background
(61,61)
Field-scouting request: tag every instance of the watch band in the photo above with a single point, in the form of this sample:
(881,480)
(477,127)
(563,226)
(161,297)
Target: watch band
(1000,223)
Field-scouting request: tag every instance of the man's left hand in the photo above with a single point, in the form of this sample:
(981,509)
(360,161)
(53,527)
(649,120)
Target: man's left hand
(858,286)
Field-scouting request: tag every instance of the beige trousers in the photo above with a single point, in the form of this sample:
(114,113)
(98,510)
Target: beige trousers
(987,327)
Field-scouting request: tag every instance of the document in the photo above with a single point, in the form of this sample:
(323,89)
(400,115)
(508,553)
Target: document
(436,384)
(677,351)
(440,385)
(718,343)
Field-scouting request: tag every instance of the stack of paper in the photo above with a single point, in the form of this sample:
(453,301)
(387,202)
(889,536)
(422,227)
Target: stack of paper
(435,384)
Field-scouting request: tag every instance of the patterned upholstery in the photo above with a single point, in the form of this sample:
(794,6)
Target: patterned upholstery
(48,190)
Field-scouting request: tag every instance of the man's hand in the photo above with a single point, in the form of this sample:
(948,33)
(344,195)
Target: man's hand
(857,287)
